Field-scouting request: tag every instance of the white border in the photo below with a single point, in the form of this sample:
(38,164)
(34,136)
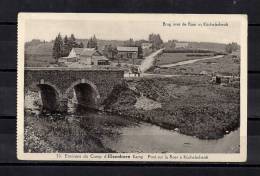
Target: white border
(238,157)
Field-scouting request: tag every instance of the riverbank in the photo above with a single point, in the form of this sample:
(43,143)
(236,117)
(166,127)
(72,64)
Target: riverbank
(50,133)
(191,105)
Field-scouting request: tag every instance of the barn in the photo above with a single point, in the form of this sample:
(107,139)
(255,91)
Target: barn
(126,52)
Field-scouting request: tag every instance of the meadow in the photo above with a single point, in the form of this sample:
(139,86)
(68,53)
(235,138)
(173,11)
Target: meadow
(172,58)
(226,66)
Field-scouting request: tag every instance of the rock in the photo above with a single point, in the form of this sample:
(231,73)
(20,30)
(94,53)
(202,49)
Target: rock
(145,103)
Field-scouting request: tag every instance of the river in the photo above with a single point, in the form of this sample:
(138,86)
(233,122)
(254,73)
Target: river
(147,138)
(121,134)
(152,139)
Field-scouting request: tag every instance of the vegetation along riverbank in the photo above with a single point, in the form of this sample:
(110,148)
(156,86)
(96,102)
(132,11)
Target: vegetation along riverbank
(191,105)
(72,133)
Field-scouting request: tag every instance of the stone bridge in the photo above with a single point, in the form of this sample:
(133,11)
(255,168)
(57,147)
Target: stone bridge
(57,85)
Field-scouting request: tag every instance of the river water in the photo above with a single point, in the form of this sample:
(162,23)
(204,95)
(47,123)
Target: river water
(150,138)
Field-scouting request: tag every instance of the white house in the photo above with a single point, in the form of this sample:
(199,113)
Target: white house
(86,56)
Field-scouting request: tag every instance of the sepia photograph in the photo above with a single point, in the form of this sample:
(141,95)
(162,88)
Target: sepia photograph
(132,87)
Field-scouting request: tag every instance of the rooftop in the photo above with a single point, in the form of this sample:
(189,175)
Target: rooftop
(127,48)
(84,51)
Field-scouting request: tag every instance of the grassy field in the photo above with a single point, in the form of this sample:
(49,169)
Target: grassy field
(171,58)
(224,66)
(193,105)
(38,60)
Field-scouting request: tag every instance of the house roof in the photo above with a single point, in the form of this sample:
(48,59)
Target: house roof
(84,51)
(78,50)
(127,48)
(88,52)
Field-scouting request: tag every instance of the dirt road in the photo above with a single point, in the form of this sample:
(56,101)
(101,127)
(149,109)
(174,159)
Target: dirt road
(148,61)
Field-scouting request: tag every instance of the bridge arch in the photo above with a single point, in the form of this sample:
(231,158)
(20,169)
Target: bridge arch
(87,93)
(50,96)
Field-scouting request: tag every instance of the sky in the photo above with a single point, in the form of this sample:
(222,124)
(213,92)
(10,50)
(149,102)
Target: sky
(47,29)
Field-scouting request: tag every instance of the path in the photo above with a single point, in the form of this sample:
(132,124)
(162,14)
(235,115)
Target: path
(148,61)
(189,61)
(158,75)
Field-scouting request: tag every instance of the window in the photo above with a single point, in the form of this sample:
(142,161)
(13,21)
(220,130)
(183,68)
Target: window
(129,55)
(102,62)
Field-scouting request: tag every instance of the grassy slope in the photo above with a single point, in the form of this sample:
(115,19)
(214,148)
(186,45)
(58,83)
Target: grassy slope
(192,105)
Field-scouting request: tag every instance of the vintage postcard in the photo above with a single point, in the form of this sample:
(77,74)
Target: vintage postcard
(132,87)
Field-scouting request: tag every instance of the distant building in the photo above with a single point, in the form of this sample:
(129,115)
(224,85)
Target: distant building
(146,45)
(147,48)
(87,56)
(179,45)
(125,52)
(235,54)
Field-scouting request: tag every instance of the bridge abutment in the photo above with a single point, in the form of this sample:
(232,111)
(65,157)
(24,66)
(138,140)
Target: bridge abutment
(63,105)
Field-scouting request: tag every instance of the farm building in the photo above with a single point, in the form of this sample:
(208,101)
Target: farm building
(146,45)
(87,56)
(235,54)
(127,52)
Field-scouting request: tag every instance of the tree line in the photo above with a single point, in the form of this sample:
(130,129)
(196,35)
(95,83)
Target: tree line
(231,47)
(63,46)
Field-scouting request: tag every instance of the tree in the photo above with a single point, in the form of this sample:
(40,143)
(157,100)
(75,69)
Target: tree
(129,42)
(232,47)
(110,51)
(138,44)
(57,50)
(62,47)
(72,42)
(66,46)
(156,40)
(92,43)
(171,44)
(81,45)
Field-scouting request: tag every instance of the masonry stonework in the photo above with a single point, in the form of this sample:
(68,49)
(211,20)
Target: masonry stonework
(63,80)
